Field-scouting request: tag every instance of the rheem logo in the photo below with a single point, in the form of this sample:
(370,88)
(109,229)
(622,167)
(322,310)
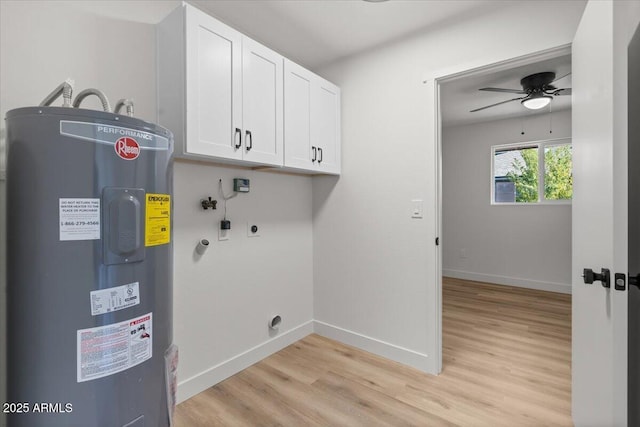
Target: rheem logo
(127,148)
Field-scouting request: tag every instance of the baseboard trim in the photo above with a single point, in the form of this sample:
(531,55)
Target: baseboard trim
(399,354)
(202,381)
(563,288)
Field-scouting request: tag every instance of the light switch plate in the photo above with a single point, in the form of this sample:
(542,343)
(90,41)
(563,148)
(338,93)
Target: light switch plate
(417,208)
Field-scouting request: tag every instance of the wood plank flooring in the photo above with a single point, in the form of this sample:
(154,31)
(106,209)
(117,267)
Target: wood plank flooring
(506,362)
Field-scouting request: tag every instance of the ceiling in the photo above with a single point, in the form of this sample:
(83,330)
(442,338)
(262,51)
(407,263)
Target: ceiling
(317,32)
(460,96)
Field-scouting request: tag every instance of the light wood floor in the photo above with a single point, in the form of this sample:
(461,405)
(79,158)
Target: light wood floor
(506,362)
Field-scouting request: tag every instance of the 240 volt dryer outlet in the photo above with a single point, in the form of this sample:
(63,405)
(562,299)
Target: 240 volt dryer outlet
(253,229)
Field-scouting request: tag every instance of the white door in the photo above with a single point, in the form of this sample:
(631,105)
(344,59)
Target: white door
(325,128)
(599,363)
(214,86)
(262,104)
(298,84)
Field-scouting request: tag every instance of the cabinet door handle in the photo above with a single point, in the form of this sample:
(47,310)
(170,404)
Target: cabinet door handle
(320,151)
(315,154)
(238,138)
(248,140)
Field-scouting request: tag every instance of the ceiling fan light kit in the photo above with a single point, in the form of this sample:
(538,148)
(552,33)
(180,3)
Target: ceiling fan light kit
(536,103)
(537,88)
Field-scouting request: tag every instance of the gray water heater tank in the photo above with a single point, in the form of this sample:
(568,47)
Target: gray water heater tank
(89,279)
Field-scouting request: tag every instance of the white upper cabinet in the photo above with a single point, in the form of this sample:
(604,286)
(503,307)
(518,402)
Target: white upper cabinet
(298,85)
(213,87)
(325,126)
(230,99)
(219,91)
(311,121)
(262,103)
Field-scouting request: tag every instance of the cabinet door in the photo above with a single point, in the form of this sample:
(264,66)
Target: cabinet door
(298,84)
(325,126)
(262,96)
(214,87)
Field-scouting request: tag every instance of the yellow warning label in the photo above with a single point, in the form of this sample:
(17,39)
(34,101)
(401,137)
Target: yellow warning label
(157,229)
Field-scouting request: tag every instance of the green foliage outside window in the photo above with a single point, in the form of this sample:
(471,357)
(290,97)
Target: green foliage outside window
(525,176)
(558,177)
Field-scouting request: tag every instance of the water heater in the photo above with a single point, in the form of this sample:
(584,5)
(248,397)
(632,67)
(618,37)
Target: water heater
(89,280)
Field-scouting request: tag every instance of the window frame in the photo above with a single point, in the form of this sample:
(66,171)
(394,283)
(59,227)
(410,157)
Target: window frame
(540,145)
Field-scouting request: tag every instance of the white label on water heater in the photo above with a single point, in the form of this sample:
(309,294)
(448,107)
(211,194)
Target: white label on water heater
(79,219)
(107,350)
(114,299)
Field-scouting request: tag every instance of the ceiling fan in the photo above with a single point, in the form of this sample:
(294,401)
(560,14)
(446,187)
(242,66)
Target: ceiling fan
(537,88)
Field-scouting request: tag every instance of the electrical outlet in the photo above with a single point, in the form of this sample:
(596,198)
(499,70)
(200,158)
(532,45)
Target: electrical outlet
(253,230)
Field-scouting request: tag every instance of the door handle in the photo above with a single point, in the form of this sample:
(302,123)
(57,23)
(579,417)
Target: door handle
(315,154)
(238,138)
(320,151)
(604,277)
(248,140)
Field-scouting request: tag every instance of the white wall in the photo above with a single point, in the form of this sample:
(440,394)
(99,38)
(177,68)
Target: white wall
(222,301)
(374,278)
(526,245)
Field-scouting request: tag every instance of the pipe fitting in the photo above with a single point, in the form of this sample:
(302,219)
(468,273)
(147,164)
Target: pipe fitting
(274,323)
(65,89)
(202,246)
(124,102)
(103,98)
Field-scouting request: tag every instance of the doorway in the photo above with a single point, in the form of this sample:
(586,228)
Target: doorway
(471,219)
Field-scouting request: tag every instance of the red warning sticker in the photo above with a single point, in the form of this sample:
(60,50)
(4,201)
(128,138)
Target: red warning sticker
(127,148)
(107,350)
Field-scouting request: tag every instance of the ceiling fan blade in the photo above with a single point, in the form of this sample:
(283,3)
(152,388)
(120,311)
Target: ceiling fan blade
(561,92)
(497,89)
(562,77)
(497,103)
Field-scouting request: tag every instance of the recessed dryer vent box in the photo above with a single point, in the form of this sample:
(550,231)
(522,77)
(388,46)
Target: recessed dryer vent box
(241,185)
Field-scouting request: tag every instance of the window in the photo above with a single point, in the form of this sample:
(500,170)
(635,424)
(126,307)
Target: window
(535,172)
